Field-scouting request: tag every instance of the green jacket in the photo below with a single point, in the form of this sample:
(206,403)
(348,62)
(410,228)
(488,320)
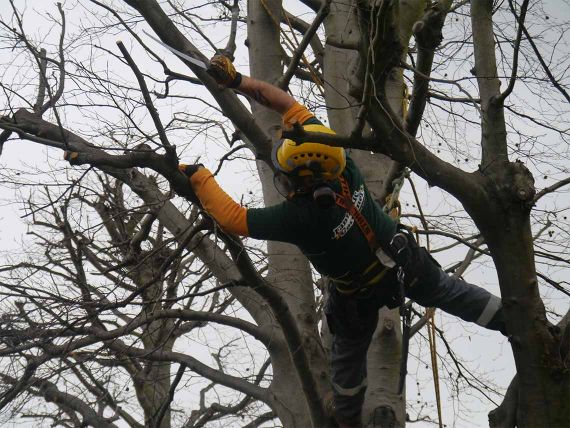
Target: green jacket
(329,237)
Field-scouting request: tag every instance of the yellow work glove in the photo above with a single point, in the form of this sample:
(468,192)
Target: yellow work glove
(70,156)
(224,72)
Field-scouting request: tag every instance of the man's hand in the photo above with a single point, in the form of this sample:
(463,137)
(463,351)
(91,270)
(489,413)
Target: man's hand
(188,171)
(70,156)
(224,72)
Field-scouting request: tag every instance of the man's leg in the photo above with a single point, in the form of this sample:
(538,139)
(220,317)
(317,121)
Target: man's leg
(352,321)
(462,299)
(349,378)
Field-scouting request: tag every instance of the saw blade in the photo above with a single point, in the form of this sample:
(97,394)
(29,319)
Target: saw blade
(176,52)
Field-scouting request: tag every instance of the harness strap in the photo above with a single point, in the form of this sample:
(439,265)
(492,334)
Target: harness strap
(352,283)
(344,200)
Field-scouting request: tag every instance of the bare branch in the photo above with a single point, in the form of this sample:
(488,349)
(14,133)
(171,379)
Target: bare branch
(68,402)
(545,67)
(231,45)
(300,50)
(164,406)
(520,19)
(551,189)
(428,36)
(215,375)
(170,151)
(42,81)
(289,326)
(302,27)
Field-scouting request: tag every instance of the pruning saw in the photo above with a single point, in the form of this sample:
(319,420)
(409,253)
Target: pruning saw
(196,62)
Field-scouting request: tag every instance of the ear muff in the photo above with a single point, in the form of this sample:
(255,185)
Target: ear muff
(274,159)
(300,159)
(285,185)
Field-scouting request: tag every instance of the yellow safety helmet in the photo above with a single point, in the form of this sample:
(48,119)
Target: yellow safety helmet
(293,158)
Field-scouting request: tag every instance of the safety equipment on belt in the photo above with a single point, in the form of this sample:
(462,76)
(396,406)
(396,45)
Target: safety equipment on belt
(223,71)
(309,159)
(406,314)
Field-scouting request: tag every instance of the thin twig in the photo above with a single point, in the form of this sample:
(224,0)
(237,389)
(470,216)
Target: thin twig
(520,19)
(299,52)
(148,101)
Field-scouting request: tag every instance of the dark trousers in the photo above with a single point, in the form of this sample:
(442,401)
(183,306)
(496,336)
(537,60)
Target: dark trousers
(352,319)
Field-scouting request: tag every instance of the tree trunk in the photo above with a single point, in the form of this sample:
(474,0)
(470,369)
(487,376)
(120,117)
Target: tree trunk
(543,380)
(152,383)
(504,220)
(289,270)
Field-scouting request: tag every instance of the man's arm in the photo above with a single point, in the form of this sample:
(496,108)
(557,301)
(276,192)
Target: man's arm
(222,69)
(267,94)
(280,222)
(229,215)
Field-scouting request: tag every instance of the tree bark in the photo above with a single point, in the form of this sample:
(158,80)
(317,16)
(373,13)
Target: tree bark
(504,221)
(289,270)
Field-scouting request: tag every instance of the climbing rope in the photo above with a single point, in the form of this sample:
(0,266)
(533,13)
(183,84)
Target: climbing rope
(430,312)
(314,75)
(394,209)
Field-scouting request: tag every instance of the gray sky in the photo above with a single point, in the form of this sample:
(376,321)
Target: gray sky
(486,350)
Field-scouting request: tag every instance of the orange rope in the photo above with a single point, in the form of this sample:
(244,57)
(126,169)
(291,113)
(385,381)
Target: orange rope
(430,312)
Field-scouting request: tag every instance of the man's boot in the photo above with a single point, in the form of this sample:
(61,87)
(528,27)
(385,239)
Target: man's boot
(342,422)
(354,423)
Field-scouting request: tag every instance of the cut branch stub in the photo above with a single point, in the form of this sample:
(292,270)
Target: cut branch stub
(523,184)
(427,31)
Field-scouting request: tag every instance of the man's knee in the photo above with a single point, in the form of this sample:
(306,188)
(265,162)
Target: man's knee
(493,317)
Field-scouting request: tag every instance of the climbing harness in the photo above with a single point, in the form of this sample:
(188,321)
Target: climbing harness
(344,200)
(355,283)
(375,272)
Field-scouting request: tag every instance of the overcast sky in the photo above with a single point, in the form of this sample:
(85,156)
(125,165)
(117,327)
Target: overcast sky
(487,350)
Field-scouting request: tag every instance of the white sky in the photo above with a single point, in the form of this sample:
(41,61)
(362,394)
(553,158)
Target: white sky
(486,350)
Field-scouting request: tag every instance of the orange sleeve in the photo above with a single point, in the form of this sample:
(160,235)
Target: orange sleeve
(230,215)
(296,114)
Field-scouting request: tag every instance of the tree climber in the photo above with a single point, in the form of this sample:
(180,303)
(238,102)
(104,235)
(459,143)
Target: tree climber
(330,215)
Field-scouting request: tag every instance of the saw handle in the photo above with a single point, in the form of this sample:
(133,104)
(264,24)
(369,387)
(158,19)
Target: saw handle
(223,71)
